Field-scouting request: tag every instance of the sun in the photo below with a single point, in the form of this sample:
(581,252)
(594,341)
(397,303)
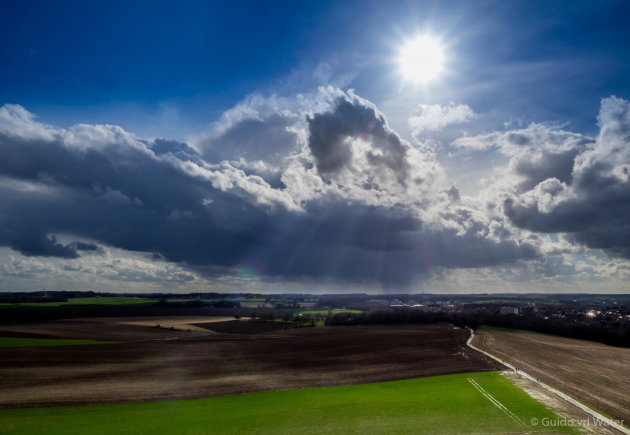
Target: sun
(421,59)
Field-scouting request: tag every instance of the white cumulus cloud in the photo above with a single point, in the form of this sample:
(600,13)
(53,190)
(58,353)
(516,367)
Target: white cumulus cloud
(436,116)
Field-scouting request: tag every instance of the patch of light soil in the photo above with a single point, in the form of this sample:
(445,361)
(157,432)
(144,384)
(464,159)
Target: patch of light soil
(178,323)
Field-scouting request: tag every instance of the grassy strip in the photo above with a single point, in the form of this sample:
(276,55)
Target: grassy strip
(440,404)
(334,311)
(25,342)
(317,322)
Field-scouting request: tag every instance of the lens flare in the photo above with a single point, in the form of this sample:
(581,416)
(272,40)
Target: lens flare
(250,270)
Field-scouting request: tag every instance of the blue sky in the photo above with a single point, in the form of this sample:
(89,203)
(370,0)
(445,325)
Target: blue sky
(266,100)
(123,61)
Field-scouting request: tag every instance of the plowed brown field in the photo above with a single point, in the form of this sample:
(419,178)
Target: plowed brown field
(593,373)
(159,364)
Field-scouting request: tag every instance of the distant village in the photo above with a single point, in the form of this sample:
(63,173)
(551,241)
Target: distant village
(592,308)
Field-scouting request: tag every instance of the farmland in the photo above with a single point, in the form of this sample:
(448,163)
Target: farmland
(209,372)
(596,374)
(439,404)
(163,364)
(86,301)
(27,342)
(333,311)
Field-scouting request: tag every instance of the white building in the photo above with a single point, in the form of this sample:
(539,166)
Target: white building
(509,310)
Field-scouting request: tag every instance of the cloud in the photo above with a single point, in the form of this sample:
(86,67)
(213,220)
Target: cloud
(591,202)
(82,246)
(436,117)
(317,187)
(536,135)
(255,129)
(355,131)
(357,156)
(111,266)
(536,153)
(17,122)
(37,244)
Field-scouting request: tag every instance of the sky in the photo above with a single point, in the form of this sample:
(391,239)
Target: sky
(282,146)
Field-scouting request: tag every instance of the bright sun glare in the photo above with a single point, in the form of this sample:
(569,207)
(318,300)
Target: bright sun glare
(421,59)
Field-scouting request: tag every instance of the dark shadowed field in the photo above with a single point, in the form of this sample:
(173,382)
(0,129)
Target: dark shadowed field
(157,363)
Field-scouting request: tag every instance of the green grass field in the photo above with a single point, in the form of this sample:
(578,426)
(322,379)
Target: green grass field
(89,301)
(25,342)
(334,311)
(434,405)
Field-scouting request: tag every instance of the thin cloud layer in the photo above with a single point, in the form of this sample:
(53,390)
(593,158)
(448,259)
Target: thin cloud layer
(316,187)
(436,117)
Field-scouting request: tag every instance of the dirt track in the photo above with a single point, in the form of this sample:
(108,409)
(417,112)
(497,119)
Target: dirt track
(595,373)
(193,364)
(560,407)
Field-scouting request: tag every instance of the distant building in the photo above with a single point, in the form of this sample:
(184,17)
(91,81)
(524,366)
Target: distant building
(529,309)
(257,305)
(509,310)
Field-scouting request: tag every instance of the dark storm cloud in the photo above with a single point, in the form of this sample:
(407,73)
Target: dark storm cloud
(161,197)
(350,119)
(36,244)
(593,203)
(534,168)
(355,242)
(119,193)
(81,246)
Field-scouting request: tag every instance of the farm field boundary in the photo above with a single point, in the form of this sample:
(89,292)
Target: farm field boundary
(604,420)
(437,405)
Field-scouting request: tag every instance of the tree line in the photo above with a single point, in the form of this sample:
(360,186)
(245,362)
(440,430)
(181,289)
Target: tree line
(612,333)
